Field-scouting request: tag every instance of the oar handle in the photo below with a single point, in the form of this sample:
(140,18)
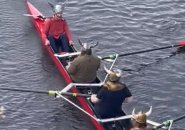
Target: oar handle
(167,123)
(41,17)
(75,94)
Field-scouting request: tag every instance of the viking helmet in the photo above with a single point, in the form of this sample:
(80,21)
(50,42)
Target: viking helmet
(58,9)
(114,75)
(141,117)
(86,47)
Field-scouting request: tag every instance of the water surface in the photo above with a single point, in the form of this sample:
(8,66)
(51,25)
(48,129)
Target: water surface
(155,79)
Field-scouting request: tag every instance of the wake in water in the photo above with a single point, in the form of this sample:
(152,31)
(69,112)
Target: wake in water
(2,112)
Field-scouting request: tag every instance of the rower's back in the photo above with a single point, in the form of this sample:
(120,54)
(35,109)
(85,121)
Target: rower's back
(112,95)
(83,69)
(108,101)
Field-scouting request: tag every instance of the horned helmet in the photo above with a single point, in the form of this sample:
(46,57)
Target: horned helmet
(59,7)
(141,117)
(114,75)
(86,47)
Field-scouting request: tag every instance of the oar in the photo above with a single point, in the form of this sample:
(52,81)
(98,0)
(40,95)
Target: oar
(39,16)
(51,92)
(168,122)
(180,44)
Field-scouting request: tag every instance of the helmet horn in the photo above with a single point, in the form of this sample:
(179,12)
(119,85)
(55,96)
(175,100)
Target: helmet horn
(107,71)
(118,73)
(80,42)
(133,112)
(64,4)
(92,46)
(51,5)
(149,112)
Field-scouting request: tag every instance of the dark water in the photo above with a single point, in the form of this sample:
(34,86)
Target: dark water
(155,79)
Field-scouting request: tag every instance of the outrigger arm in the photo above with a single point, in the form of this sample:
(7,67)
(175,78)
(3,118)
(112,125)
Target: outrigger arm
(103,120)
(68,87)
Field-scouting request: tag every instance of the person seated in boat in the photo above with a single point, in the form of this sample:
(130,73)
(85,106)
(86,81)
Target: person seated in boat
(108,101)
(57,32)
(139,120)
(84,67)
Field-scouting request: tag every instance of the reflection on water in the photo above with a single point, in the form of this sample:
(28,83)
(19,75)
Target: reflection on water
(155,79)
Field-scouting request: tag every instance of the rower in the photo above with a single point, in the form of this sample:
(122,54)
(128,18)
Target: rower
(108,101)
(84,67)
(139,120)
(56,31)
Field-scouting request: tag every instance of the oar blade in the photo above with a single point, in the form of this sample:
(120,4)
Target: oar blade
(182,43)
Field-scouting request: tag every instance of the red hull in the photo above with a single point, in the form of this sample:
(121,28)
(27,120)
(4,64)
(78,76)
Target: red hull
(39,26)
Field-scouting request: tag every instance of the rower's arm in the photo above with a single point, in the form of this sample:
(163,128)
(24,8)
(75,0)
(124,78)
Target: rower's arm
(68,33)
(46,28)
(129,99)
(128,95)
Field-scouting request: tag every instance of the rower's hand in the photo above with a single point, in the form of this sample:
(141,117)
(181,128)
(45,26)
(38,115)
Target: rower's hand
(47,43)
(71,43)
(94,99)
(41,17)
